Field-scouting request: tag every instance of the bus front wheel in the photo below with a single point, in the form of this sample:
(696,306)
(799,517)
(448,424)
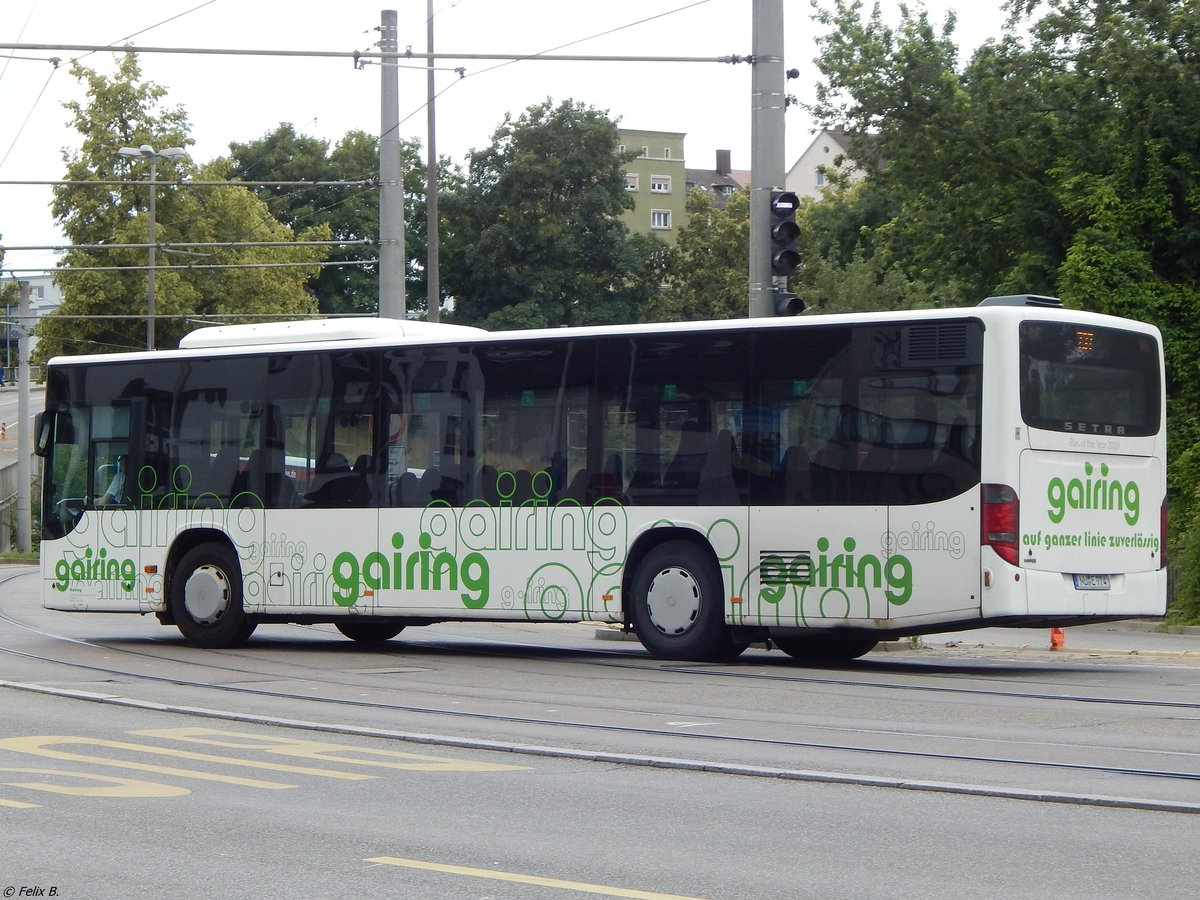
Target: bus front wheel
(678,605)
(206,598)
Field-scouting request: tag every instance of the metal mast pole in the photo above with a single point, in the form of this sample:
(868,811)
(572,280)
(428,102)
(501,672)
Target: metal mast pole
(433,280)
(150,250)
(768,84)
(391,184)
(24,426)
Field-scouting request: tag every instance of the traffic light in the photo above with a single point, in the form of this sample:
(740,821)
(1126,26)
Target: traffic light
(785,258)
(786,303)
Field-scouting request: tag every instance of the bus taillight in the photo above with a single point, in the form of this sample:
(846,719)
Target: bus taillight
(999,521)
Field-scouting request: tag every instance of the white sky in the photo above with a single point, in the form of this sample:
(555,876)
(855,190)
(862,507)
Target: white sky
(243,98)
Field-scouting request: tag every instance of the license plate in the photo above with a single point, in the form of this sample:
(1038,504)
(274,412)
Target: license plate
(1092,583)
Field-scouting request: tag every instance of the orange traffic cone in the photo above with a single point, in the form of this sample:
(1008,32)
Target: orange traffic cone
(1057,638)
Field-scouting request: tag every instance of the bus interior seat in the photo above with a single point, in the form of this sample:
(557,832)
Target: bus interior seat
(684,470)
(577,487)
(487,490)
(796,476)
(264,475)
(223,471)
(645,481)
(447,488)
(335,484)
(872,480)
(716,485)
(404,491)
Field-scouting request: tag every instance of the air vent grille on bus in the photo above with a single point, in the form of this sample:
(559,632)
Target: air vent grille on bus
(785,567)
(935,343)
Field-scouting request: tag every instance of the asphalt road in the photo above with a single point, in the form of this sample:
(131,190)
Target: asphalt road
(544,762)
(9,400)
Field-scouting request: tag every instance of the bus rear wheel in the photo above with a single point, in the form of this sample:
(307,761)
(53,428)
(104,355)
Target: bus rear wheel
(206,597)
(678,605)
(369,632)
(824,650)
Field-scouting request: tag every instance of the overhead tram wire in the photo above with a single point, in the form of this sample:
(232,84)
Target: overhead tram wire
(55,61)
(544,55)
(194,245)
(11,57)
(171,245)
(167,21)
(187,182)
(29,114)
(320,264)
(357,56)
(288,316)
(360,54)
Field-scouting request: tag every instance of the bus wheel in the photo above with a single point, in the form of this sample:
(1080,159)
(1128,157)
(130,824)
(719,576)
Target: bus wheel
(206,597)
(678,605)
(818,650)
(369,632)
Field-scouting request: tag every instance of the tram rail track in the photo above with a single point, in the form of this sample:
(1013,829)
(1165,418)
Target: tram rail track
(688,737)
(887,742)
(558,723)
(616,659)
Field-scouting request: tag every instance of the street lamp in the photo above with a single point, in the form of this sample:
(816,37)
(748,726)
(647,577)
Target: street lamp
(148,152)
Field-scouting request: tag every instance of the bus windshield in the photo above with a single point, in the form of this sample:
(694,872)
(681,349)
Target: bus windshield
(1089,379)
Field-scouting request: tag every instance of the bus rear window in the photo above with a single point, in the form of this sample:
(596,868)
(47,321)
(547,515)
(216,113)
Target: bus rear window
(1089,380)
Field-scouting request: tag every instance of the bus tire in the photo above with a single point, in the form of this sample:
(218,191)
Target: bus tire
(206,597)
(678,605)
(369,632)
(817,650)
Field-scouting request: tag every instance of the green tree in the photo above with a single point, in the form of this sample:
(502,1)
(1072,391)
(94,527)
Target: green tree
(102,288)
(708,269)
(351,212)
(1061,159)
(966,155)
(534,235)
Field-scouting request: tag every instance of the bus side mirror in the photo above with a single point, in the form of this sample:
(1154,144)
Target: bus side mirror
(42,445)
(53,425)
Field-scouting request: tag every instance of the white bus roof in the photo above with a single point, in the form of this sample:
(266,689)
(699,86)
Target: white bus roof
(319,331)
(316,334)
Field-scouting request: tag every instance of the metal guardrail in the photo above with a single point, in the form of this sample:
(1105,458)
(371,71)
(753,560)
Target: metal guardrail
(8,498)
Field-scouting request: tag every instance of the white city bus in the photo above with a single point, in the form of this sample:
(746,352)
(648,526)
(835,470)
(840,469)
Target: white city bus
(820,483)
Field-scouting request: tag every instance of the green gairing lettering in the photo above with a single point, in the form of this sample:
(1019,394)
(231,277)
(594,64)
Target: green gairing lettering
(1093,493)
(421,570)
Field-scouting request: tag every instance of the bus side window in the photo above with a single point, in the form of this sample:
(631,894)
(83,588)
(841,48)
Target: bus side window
(795,477)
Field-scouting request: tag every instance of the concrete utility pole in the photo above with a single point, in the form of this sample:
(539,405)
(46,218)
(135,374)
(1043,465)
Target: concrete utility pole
(433,280)
(768,104)
(391,183)
(147,152)
(24,426)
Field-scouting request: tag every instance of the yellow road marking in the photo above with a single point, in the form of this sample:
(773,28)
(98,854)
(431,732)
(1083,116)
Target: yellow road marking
(38,746)
(17,804)
(199,757)
(110,786)
(582,886)
(323,751)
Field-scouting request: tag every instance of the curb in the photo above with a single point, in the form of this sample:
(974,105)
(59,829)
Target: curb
(614,633)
